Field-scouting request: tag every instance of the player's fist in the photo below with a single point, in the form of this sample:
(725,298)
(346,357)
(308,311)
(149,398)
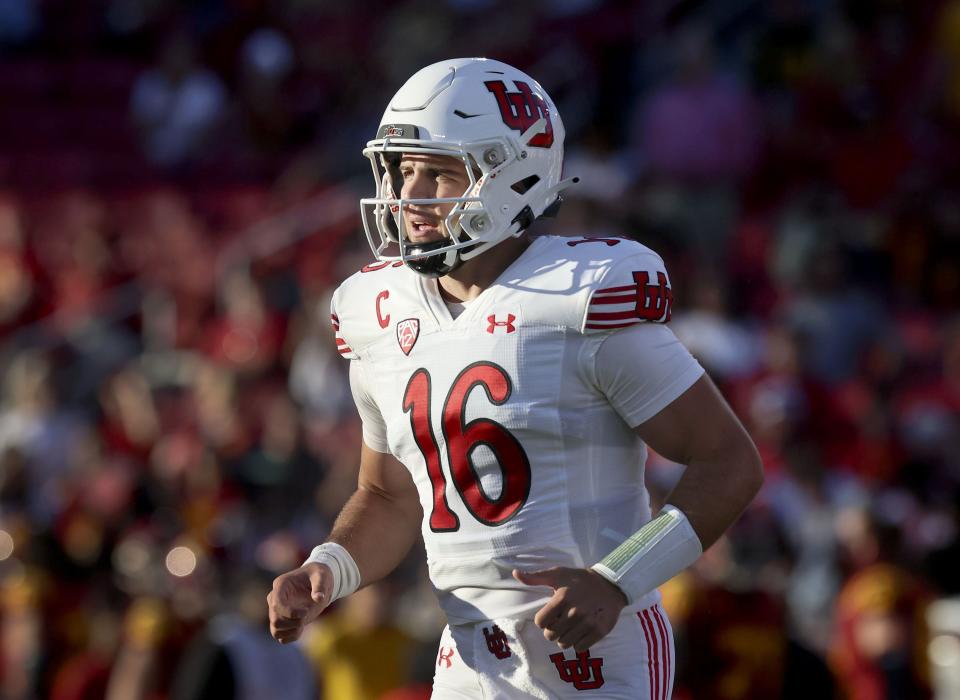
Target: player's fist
(297,599)
(584,608)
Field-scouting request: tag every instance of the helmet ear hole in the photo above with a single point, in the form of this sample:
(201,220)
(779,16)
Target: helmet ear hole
(474,168)
(525,185)
(391,166)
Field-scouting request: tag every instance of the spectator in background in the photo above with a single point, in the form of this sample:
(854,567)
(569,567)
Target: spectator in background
(835,320)
(317,380)
(21,635)
(359,648)
(17,274)
(248,335)
(86,671)
(177,104)
(267,61)
(33,422)
(703,123)
(723,346)
(234,657)
(735,640)
(700,132)
(880,642)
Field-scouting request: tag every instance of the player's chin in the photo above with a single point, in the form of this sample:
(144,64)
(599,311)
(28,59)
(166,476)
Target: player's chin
(422,238)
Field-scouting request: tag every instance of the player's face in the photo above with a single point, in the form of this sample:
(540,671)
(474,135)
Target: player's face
(429,177)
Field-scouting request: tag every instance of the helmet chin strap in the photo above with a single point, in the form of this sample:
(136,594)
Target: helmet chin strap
(561,186)
(432,265)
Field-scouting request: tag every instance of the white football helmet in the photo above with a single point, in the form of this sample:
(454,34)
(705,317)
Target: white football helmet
(505,129)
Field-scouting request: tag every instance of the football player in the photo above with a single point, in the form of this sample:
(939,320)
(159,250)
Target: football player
(509,386)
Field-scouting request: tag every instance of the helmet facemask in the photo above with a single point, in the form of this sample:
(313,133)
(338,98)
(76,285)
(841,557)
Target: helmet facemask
(471,226)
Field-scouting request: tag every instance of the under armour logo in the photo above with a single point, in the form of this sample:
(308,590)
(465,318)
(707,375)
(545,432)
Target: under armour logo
(497,642)
(441,658)
(494,323)
(583,671)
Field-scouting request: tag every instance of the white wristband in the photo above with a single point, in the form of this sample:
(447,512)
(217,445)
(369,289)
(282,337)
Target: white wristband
(346,575)
(652,555)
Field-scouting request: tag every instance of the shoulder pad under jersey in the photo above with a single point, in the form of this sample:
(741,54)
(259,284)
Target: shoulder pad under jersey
(593,284)
(355,303)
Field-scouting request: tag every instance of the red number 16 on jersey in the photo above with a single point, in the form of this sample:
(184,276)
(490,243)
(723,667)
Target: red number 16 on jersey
(462,439)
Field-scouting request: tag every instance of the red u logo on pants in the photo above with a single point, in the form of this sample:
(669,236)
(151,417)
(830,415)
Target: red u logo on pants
(584,672)
(497,643)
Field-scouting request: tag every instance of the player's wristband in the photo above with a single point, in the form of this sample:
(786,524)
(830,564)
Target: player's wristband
(346,575)
(652,555)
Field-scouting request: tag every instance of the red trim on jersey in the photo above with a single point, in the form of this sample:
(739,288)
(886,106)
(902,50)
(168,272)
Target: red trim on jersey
(341,341)
(335,321)
(344,350)
(654,673)
(612,290)
(602,326)
(666,650)
(612,315)
(624,299)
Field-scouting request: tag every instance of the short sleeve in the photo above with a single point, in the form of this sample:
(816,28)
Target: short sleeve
(374,427)
(635,290)
(643,369)
(342,347)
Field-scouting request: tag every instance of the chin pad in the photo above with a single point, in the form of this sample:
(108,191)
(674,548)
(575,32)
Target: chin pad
(428,265)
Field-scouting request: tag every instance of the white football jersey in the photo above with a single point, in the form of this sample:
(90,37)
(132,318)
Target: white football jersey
(515,419)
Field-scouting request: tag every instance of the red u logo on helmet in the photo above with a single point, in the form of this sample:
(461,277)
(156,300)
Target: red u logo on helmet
(521,110)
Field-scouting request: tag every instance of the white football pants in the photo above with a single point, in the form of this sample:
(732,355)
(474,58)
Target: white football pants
(509,659)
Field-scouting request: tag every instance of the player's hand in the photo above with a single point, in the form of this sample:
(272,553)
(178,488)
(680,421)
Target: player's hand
(584,608)
(297,599)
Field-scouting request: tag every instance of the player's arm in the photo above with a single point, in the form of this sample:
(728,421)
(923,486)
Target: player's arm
(380,522)
(660,390)
(724,471)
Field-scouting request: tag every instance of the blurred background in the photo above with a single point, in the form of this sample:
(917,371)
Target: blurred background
(179,186)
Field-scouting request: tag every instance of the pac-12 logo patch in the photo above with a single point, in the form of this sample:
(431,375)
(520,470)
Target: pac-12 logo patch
(408,331)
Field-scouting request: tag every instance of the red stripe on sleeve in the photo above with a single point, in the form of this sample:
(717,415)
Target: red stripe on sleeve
(602,326)
(610,290)
(619,299)
(611,315)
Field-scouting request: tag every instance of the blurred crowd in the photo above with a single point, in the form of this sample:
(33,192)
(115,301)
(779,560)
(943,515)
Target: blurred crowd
(178,198)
